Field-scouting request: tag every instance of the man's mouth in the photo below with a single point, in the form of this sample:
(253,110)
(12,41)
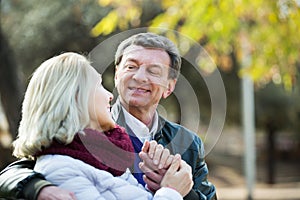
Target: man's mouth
(139,90)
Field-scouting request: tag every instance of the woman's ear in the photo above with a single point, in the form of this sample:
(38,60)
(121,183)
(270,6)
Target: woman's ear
(170,88)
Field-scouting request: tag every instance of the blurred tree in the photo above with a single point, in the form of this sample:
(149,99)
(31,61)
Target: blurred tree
(41,29)
(10,85)
(274,109)
(271,27)
(10,92)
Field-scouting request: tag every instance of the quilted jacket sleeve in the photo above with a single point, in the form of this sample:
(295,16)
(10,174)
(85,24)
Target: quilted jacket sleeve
(18,180)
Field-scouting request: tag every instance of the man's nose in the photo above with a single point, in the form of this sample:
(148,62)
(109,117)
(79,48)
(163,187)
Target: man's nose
(140,74)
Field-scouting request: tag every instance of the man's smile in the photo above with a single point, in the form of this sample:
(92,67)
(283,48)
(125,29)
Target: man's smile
(139,90)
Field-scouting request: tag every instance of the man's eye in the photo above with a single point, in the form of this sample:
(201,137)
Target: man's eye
(155,71)
(130,66)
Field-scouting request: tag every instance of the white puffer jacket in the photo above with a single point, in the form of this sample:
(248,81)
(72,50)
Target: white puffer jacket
(90,183)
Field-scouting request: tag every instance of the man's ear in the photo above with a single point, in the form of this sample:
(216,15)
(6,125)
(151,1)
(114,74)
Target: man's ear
(170,88)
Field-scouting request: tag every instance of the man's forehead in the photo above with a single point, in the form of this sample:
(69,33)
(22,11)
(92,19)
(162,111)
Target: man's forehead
(137,48)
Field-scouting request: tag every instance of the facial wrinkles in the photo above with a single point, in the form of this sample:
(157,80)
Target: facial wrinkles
(146,74)
(143,71)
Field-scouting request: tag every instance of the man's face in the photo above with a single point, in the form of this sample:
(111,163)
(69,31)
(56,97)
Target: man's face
(141,78)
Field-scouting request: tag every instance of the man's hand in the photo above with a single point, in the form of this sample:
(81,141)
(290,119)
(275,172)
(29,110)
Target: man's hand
(55,193)
(178,176)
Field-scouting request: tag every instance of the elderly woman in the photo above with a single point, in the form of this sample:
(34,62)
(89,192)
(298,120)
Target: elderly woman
(67,128)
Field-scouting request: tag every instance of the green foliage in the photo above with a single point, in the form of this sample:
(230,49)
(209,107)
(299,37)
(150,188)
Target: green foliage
(270,27)
(124,14)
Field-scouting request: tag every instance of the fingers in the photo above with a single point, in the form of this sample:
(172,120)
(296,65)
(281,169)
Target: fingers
(73,196)
(185,167)
(168,161)
(178,176)
(152,148)
(154,176)
(55,193)
(146,168)
(165,155)
(174,165)
(185,171)
(147,161)
(146,146)
(158,153)
(151,185)
(159,149)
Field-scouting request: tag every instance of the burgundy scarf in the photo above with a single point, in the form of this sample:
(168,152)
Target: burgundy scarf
(111,150)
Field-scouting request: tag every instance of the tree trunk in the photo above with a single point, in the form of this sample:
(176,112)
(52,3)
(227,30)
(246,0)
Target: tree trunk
(10,93)
(10,86)
(271,151)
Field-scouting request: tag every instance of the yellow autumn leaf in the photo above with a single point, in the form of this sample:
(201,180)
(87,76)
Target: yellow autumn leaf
(106,25)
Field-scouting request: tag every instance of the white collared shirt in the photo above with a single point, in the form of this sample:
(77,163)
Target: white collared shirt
(139,128)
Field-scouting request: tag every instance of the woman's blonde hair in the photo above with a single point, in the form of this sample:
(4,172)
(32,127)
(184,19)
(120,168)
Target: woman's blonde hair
(55,104)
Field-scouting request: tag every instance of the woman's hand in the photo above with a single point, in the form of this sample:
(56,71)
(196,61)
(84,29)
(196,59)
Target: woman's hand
(161,157)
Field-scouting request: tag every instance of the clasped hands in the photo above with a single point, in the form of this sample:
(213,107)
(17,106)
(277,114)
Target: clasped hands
(161,169)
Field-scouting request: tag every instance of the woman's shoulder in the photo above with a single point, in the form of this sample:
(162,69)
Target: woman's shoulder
(56,163)
(65,167)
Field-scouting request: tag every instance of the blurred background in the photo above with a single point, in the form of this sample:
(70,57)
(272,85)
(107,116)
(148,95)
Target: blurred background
(256,39)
